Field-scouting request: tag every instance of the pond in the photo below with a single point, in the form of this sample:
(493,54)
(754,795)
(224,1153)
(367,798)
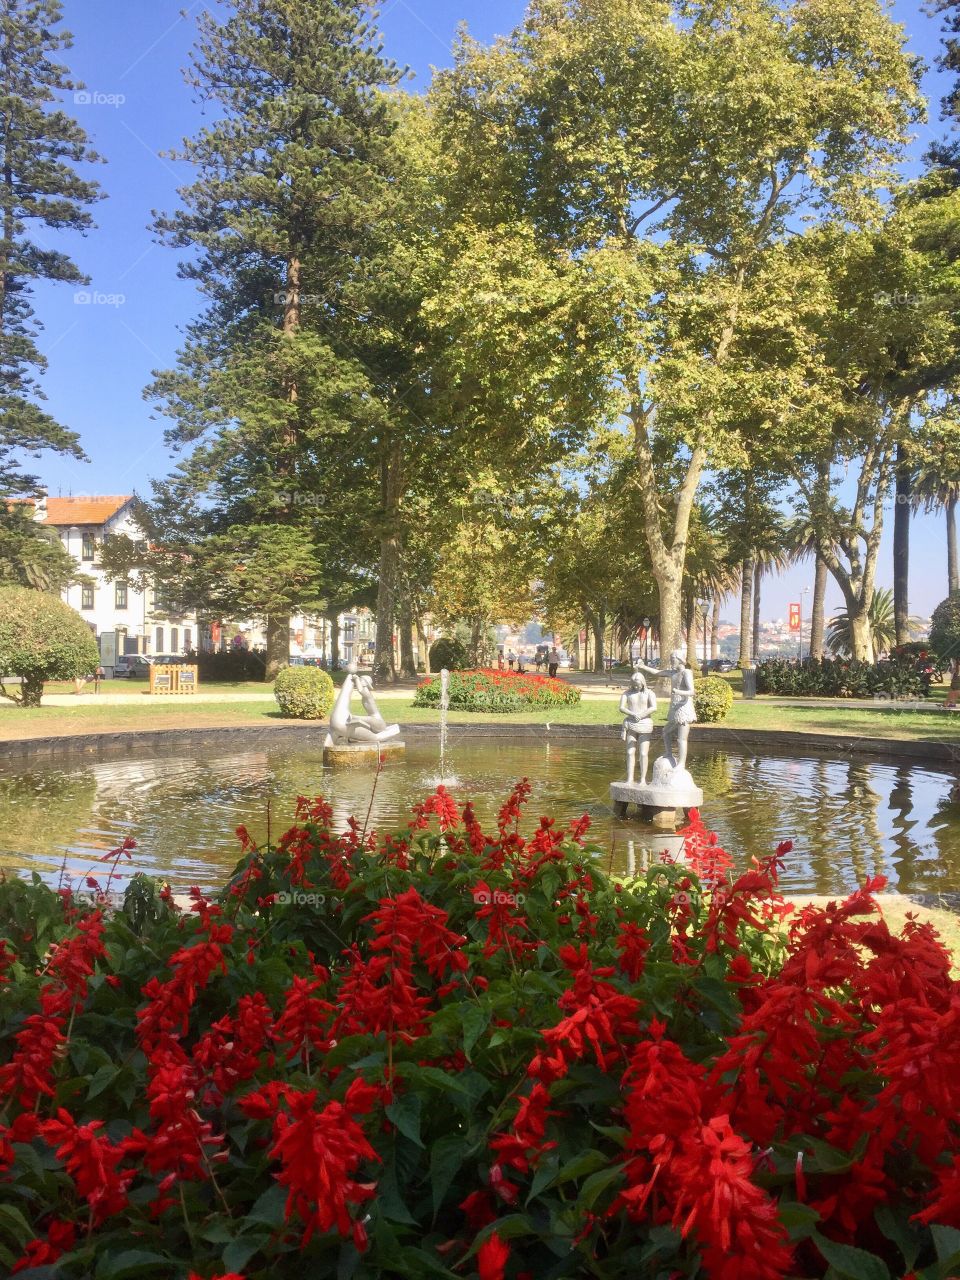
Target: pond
(849,818)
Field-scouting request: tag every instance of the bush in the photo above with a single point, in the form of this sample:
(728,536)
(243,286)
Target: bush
(945,633)
(712,699)
(449,653)
(229,664)
(497,691)
(303,693)
(413,1054)
(894,677)
(41,638)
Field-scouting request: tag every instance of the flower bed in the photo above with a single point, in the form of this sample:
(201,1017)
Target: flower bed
(498,691)
(446,1052)
(895,677)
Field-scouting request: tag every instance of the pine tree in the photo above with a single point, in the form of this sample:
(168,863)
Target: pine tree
(290,182)
(40,190)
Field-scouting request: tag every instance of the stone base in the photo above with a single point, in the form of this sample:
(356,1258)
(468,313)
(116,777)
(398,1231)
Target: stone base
(656,805)
(361,755)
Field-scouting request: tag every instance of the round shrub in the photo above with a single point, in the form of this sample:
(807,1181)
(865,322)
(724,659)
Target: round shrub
(304,693)
(945,634)
(498,691)
(712,699)
(41,638)
(447,652)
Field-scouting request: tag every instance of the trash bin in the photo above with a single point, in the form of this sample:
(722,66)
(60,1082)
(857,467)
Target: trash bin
(749,682)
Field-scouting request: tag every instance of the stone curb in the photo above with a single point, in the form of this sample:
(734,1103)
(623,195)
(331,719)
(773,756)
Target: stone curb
(789,741)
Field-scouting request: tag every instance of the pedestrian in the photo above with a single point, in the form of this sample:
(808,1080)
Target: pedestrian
(97,677)
(520,664)
(511,659)
(553,664)
(499,659)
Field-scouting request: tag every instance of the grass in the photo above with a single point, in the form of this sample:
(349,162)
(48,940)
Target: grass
(87,716)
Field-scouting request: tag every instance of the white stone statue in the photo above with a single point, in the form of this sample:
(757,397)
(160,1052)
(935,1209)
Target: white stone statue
(676,731)
(346,728)
(637,706)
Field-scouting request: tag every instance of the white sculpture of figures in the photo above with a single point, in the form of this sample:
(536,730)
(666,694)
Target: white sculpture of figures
(345,727)
(676,731)
(637,706)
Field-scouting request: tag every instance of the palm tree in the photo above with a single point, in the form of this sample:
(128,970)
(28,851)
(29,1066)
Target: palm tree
(882,626)
(708,575)
(802,544)
(934,489)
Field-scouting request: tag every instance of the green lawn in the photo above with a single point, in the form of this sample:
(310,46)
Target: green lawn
(884,721)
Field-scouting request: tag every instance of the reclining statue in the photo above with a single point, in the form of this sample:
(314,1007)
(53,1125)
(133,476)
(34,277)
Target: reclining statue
(345,727)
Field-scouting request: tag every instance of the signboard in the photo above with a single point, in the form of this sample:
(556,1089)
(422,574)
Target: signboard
(795,617)
(108,649)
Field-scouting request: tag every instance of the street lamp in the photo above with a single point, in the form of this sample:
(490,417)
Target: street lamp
(804,592)
(646,639)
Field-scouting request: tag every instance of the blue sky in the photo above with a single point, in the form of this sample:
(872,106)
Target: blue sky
(101,352)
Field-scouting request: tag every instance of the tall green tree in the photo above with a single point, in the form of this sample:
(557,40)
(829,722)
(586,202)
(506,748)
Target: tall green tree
(41,192)
(654,159)
(290,181)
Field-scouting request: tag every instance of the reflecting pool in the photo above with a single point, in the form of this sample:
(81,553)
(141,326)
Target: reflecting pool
(848,819)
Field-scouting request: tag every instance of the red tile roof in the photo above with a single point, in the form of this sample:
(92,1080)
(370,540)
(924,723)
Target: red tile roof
(69,511)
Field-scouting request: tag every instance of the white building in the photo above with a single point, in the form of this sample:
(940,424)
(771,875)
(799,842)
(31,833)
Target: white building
(123,620)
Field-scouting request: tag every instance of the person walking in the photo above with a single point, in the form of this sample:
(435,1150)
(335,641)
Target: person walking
(553,661)
(98,675)
(511,659)
(500,659)
(520,664)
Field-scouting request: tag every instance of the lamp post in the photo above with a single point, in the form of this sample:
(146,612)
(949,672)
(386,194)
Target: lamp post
(804,592)
(646,639)
(704,606)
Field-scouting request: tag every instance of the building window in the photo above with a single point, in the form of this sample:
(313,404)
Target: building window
(86,597)
(187,639)
(174,640)
(158,640)
(88,547)
(120,595)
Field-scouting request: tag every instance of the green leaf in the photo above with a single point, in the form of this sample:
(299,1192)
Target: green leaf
(896,1226)
(587,1162)
(237,1254)
(269,1208)
(850,1262)
(101,1079)
(15,1225)
(405,1114)
(447,1154)
(597,1183)
(946,1241)
(132,1262)
(475,1019)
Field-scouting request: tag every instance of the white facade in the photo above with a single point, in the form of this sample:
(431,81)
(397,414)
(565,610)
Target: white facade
(118,615)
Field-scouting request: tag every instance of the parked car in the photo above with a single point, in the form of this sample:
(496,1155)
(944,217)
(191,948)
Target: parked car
(719,664)
(132,666)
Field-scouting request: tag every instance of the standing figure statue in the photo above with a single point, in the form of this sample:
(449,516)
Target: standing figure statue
(682,715)
(637,706)
(347,728)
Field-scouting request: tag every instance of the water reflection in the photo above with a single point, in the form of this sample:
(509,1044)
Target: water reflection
(849,819)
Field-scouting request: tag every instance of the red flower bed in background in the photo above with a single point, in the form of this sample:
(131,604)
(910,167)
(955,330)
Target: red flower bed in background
(450,1052)
(500,691)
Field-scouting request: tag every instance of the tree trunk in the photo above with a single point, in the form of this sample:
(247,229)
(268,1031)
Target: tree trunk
(670,616)
(953,567)
(384,662)
(597,625)
(757,579)
(861,638)
(901,550)
(746,612)
(334,619)
(278,644)
(691,622)
(408,661)
(715,630)
(816,616)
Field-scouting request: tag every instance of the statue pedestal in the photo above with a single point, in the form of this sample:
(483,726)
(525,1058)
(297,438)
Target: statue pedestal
(360,755)
(657,805)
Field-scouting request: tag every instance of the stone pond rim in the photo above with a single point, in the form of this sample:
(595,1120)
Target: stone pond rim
(777,741)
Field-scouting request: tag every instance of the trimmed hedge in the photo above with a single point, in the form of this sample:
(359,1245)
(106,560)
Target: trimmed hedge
(712,699)
(896,677)
(304,693)
(41,638)
(447,652)
(497,691)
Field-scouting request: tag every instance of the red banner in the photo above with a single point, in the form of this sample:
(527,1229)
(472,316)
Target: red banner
(795,617)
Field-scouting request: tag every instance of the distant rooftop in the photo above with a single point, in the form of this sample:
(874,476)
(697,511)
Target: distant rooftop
(83,510)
